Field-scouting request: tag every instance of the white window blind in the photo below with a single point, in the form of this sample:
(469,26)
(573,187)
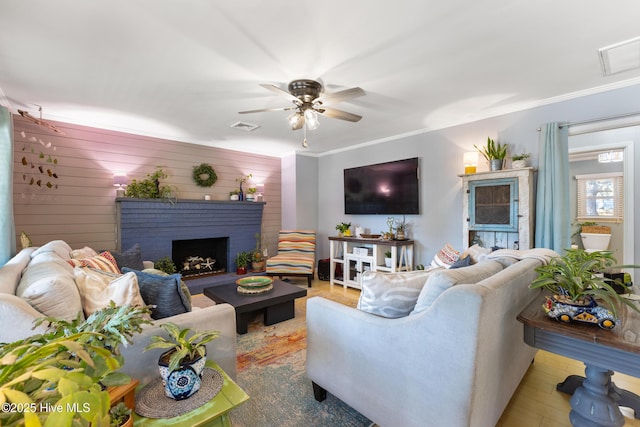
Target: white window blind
(600,196)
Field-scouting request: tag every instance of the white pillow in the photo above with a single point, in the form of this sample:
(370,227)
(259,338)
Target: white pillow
(391,295)
(50,288)
(60,247)
(97,288)
(85,252)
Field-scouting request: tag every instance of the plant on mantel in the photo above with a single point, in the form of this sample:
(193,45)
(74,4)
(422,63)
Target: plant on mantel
(150,188)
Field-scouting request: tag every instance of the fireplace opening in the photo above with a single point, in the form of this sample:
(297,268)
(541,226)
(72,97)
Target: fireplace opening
(200,257)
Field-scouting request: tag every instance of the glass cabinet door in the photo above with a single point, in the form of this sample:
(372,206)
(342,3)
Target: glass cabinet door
(493,205)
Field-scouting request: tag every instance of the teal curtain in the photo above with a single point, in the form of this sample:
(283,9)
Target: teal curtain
(553,221)
(7,228)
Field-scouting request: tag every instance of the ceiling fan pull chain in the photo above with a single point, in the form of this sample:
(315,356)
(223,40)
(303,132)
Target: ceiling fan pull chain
(304,141)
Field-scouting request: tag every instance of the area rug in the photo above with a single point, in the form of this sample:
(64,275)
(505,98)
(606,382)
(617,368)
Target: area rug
(271,370)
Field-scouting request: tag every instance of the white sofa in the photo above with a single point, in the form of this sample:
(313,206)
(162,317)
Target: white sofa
(457,362)
(40,281)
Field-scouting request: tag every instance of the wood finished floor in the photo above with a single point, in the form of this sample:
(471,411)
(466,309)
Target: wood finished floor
(536,403)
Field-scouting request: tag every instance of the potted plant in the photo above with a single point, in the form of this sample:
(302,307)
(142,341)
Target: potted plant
(165,264)
(234,195)
(401,226)
(519,161)
(494,153)
(577,286)
(251,194)
(387,259)
(257,260)
(182,363)
(150,188)
(120,416)
(243,259)
(343,229)
(67,367)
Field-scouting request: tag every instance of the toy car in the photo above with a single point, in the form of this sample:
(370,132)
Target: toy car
(591,313)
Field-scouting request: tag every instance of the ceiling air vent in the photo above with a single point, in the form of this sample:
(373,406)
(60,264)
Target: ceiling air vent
(245,126)
(619,57)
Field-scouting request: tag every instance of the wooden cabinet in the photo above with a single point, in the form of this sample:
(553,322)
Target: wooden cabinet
(350,256)
(498,208)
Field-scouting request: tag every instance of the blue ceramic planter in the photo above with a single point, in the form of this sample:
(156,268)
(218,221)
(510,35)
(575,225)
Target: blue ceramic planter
(184,381)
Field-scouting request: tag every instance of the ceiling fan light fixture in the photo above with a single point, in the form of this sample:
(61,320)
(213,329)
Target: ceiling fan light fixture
(294,120)
(311,119)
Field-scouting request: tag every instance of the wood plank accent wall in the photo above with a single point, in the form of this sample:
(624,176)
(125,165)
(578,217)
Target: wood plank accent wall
(81,210)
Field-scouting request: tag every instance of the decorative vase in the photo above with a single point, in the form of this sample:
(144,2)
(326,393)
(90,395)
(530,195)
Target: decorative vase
(563,309)
(400,235)
(184,381)
(233,197)
(387,262)
(496,164)
(241,194)
(257,265)
(519,164)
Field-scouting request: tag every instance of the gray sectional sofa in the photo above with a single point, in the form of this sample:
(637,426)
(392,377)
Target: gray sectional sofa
(449,352)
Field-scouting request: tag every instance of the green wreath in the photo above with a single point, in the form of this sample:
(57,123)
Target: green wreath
(204,169)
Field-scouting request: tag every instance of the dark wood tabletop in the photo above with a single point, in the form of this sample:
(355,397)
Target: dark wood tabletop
(616,349)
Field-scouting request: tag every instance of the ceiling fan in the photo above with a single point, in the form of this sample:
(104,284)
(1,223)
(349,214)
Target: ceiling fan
(308,101)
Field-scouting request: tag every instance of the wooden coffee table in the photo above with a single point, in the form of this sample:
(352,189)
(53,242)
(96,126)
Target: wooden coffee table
(277,305)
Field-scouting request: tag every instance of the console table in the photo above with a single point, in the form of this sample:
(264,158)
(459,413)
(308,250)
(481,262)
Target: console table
(355,255)
(595,398)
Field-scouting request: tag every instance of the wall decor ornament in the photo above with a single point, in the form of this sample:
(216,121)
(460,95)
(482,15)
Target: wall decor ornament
(204,175)
(39,166)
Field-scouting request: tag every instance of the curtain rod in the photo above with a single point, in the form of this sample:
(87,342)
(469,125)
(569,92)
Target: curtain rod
(601,119)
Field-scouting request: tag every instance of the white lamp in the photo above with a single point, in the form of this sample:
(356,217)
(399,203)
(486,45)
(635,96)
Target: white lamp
(120,182)
(470,160)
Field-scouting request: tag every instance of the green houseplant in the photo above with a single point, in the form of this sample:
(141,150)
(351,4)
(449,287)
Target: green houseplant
(120,415)
(182,363)
(61,374)
(165,264)
(519,160)
(243,258)
(343,228)
(576,278)
(494,153)
(150,188)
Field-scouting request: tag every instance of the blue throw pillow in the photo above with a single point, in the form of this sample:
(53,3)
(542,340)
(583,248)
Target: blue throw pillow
(164,291)
(461,262)
(131,258)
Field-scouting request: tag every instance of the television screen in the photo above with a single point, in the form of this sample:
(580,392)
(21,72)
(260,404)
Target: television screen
(385,188)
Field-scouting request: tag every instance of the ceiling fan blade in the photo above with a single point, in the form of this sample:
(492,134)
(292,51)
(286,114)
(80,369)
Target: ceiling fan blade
(275,89)
(338,114)
(262,110)
(343,95)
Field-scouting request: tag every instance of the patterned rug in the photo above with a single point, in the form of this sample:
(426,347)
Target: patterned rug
(271,369)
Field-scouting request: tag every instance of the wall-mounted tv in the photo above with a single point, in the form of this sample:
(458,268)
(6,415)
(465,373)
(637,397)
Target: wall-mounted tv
(385,188)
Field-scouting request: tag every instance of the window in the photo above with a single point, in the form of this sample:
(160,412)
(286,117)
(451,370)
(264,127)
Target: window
(600,196)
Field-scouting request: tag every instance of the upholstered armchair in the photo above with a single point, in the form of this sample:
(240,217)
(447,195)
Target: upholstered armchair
(296,255)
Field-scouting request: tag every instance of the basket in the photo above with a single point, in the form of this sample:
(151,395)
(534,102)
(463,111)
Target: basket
(596,229)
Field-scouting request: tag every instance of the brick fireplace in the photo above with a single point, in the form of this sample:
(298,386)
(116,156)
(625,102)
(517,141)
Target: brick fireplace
(219,229)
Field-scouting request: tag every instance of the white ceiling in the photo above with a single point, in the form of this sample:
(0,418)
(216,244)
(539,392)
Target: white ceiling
(182,70)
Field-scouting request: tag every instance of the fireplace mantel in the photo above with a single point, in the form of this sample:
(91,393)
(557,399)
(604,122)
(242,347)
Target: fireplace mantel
(154,224)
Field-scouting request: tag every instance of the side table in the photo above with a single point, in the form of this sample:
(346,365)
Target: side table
(595,398)
(214,413)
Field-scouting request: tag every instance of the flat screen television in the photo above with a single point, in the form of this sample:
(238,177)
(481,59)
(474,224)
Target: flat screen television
(390,188)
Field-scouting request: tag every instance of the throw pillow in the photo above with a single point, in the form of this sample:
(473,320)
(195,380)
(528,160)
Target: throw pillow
(98,287)
(391,295)
(131,258)
(105,262)
(442,280)
(445,257)
(477,253)
(51,289)
(461,262)
(85,252)
(162,291)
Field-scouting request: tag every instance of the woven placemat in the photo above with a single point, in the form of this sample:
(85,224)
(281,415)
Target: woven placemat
(151,401)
